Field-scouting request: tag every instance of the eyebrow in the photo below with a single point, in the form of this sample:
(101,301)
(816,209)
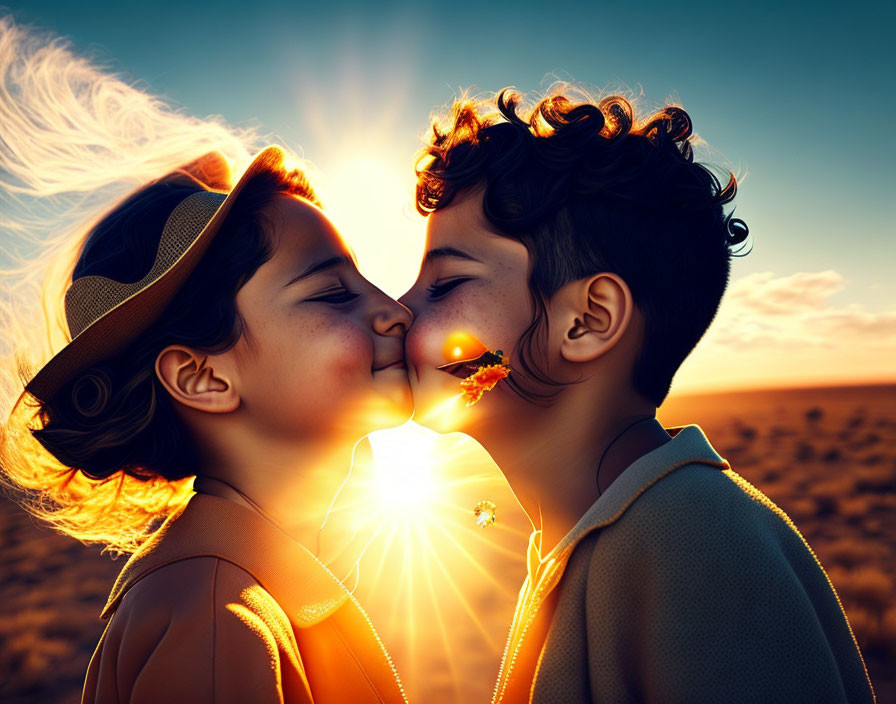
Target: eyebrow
(441,252)
(319,267)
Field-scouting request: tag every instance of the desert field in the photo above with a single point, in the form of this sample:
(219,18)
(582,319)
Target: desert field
(827,456)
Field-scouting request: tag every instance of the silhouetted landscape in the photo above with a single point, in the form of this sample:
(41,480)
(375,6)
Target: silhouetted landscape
(827,456)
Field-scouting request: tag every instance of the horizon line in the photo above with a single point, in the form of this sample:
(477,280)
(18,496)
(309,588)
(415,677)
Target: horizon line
(796,386)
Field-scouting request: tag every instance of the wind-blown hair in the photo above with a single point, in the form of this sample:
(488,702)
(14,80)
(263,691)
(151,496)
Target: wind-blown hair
(106,459)
(74,140)
(588,188)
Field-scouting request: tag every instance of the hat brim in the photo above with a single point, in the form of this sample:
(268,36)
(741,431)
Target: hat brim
(112,332)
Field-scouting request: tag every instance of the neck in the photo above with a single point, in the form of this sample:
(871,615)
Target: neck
(290,484)
(554,474)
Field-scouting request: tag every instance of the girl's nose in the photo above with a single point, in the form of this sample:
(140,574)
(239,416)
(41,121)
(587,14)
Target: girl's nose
(391,317)
(408,299)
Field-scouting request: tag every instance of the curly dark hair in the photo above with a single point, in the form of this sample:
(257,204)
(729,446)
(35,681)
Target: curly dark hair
(587,189)
(116,416)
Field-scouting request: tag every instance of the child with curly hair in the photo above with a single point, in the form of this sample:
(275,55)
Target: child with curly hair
(592,248)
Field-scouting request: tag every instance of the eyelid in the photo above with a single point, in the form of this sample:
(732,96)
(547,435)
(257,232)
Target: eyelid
(332,292)
(442,287)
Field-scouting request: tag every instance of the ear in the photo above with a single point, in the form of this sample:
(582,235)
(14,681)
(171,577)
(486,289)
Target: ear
(187,375)
(594,314)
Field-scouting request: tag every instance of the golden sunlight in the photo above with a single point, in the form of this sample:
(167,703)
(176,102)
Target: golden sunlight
(403,480)
(440,588)
(370,199)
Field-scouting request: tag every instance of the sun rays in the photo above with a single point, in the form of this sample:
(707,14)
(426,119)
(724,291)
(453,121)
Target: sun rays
(426,572)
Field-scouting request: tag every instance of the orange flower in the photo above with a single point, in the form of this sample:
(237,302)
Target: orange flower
(482,380)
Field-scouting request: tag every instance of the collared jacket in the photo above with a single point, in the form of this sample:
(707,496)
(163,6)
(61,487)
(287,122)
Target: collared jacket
(682,583)
(221,606)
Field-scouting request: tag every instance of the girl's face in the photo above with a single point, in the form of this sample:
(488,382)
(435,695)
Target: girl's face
(473,281)
(322,354)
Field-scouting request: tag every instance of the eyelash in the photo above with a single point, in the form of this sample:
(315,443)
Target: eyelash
(440,290)
(337,298)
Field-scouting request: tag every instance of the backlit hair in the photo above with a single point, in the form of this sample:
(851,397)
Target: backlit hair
(104,461)
(589,187)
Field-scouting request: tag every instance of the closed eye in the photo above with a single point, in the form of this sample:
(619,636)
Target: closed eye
(440,289)
(336,296)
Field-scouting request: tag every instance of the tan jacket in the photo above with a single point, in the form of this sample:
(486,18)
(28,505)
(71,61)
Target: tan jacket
(682,583)
(221,606)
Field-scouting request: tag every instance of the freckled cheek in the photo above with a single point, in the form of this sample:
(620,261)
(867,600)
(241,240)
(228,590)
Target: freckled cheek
(343,351)
(426,338)
(321,354)
(352,356)
(420,344)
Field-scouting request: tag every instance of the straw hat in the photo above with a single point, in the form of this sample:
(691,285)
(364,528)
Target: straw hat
(105,315)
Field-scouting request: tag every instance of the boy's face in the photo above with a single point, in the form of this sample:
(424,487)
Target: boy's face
(322,354)
(472,281)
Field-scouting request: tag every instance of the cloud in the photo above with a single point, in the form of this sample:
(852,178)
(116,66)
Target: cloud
(784,295)
(762,309)
(785,331)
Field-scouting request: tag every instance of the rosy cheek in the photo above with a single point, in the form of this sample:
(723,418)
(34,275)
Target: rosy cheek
(425,342)
(322,352)
(348,352)
(422,343)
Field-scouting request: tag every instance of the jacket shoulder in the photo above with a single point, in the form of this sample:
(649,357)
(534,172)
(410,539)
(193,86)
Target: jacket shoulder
(187,585)
(704,568)
(198,629)
(697,502)
(699,522)
(211,598)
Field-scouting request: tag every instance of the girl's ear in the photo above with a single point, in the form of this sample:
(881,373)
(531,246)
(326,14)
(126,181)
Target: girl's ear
(594,314)
(187,375)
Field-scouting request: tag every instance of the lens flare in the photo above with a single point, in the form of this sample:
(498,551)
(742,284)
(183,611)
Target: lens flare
(462,345)
(485,513)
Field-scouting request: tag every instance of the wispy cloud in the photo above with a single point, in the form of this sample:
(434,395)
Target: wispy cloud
(778,330)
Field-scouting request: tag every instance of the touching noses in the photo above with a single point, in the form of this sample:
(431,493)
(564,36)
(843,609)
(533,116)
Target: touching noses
(407,300)
(391,317)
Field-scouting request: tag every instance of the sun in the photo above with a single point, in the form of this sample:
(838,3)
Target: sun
(403,481)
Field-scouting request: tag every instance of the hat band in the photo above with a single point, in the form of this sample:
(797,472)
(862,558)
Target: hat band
(89,298)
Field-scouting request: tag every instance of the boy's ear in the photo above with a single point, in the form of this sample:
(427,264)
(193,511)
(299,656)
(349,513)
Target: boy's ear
(594,314)
(191,381)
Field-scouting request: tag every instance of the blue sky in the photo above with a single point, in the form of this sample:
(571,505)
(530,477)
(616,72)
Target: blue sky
(799,101)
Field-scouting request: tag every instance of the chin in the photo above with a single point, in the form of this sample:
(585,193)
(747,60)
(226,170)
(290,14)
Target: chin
(390,412)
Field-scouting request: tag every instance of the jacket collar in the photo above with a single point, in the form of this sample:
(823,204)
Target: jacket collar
(689,445)
(209,526)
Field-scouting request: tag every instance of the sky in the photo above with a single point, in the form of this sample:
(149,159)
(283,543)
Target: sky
(796,103)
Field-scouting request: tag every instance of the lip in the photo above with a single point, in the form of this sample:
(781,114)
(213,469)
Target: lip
(459,370)
(464,367)
(397,364)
